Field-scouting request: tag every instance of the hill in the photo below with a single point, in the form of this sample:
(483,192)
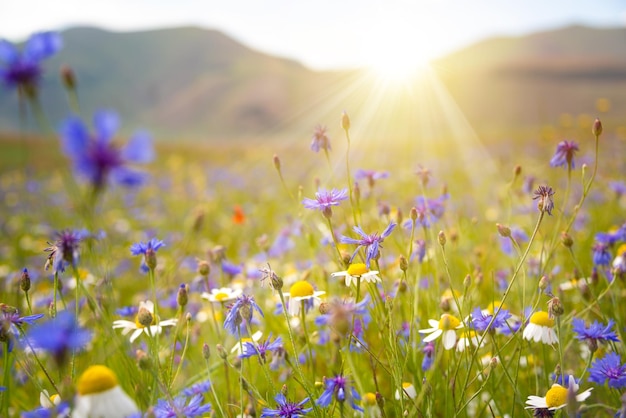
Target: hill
(197,83)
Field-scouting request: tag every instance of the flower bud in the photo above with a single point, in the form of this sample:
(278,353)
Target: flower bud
(206,351)
(467,281)
(345,121)
(503,230)
(68,77)
(150,258)
(544,282)
(221,351)
(182,298)
(566,240)
(517,170)
(204,268)
(413,214)
(143,360)
(555,307)
(441,237)
(596,130)
(25,281)
(144,317)
(276,162)
(324,308)
(357,192)
(404,264)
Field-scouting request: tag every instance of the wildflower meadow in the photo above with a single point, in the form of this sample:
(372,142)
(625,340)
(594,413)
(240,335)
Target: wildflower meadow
(142,279)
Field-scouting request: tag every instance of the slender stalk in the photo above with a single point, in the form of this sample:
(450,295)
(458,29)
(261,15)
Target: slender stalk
(6,395)
(306,336)
(214,392)
(182,356)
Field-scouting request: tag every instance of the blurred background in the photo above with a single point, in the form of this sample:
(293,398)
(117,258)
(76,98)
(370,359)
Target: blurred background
(426,75)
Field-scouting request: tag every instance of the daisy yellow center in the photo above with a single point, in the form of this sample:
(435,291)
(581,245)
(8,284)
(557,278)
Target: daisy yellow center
(542,318)
(493,306)
(140,325)
(406,385)
(96,379)
(357,269)
(54,397)
(220,296)
(448,322)
(621,250)
(556,396)
(369,399)
(301,289)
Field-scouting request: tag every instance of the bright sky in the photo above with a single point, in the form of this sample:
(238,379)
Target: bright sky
(323,34)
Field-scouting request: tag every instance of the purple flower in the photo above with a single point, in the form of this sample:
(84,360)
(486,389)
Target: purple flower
(601,254)
(340,388)
(324,199)
(60,410)
(286,409)
(481,319)
(253,349)
(370,175)
(371,242)
(596,332)
(564,155)
(97,158)
(320,139)
(545,202)
(11,317)
(182,406)
(241,310)
(64,250)
(148,250)
(23,70)
(429,355)
(608,369)
(59,336)
(197,389)
(427,211)
(619,187)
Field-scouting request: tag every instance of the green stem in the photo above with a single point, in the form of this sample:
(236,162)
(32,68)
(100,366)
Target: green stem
(182,356)
(6,395)
(306,336)
(55,289)
(214,392)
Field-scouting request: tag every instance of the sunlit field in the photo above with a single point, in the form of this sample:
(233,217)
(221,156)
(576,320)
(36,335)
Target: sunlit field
(368,269)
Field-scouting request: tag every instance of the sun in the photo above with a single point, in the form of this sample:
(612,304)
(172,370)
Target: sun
(396,55)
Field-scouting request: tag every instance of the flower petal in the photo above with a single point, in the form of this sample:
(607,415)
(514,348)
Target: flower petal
(139,148)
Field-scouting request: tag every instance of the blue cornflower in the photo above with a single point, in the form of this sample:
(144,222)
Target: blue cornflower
(596,332)
(241,310)
(59,335)
(564,155)
(97,158)
(231,269)
(545,201)
(482,318)
(10,317)
(148,250)
(429,355)
(181,406)
(601,254)
(253,349)
(325,199)
(372,242)
(286,409)
(64,250)
(339,387)
(320,139)
(60,410)
(23,70)
(608,369)
(197,389)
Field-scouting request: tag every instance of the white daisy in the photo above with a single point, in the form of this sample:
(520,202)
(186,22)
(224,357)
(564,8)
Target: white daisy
(221,295)
(370,406)
(301,291)
(445,327)
(540,328)
(49,401)
(408,389)
(99,395)
(469,337)
(155,328)
(575,284)
(556,397)
(358,271)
